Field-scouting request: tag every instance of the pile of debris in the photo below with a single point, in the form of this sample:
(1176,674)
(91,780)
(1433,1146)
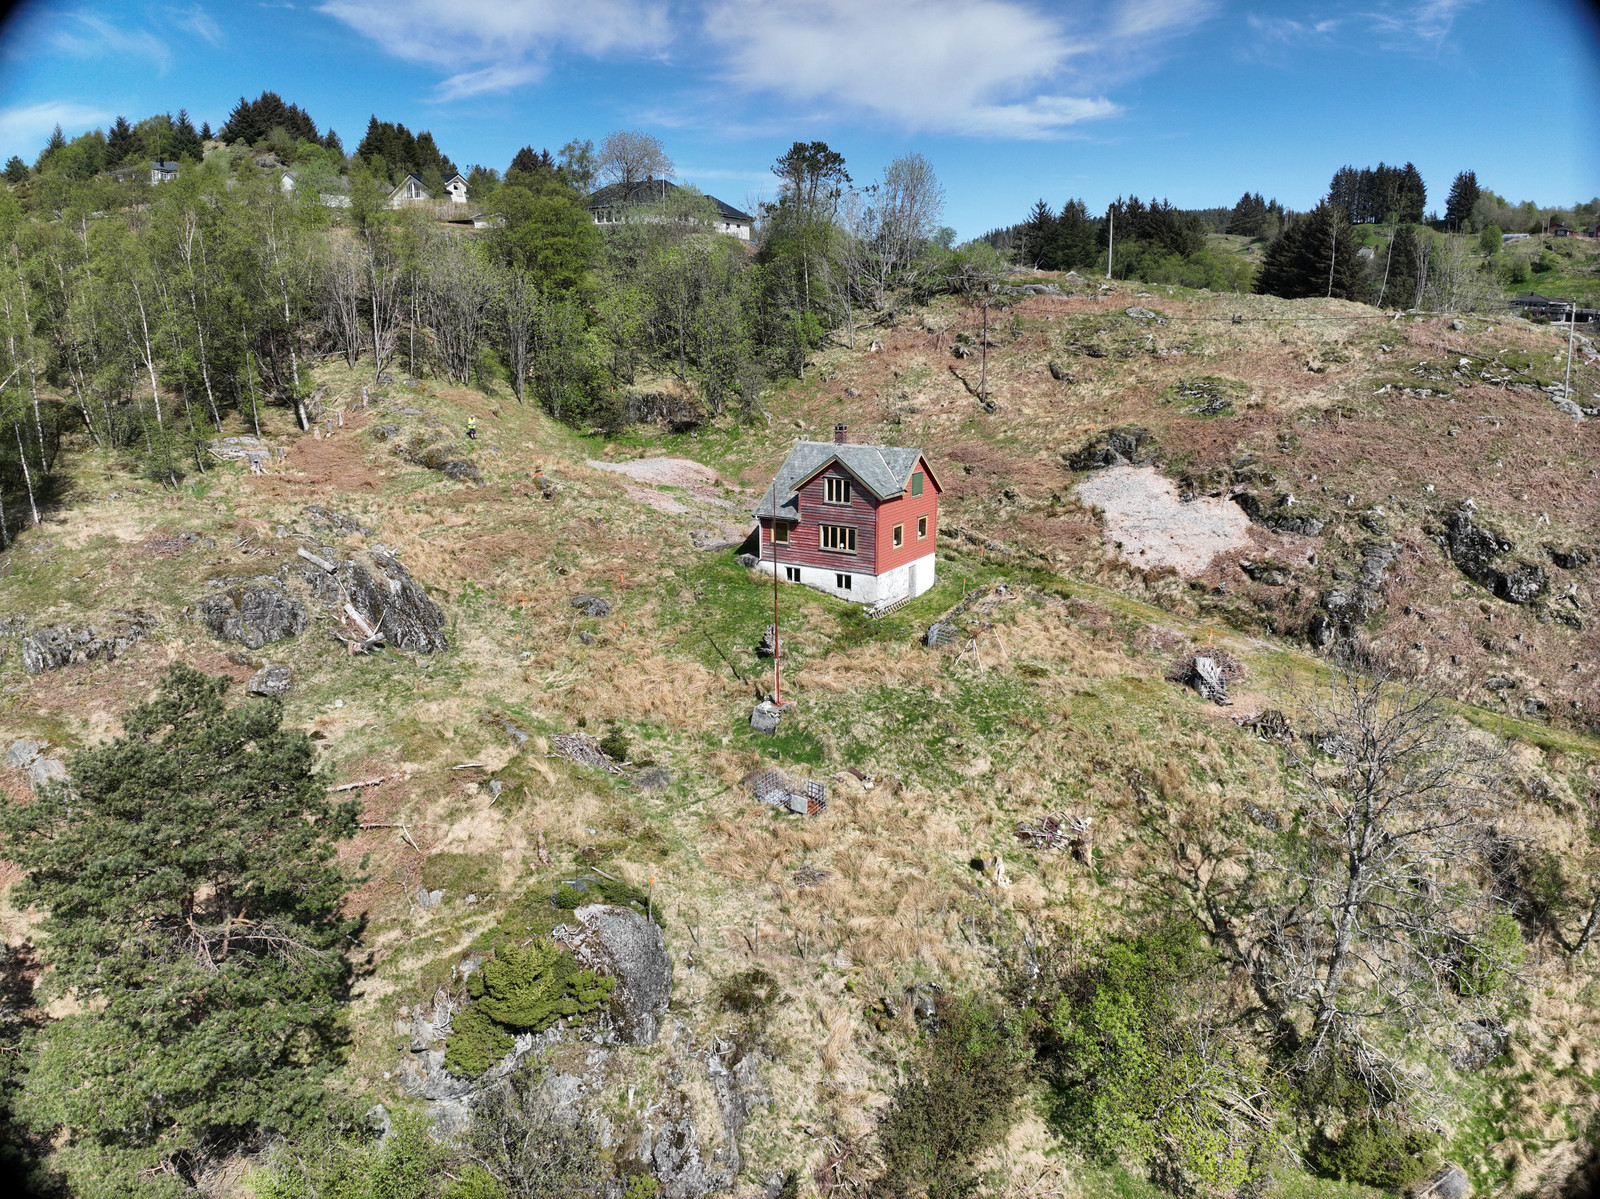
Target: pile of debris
(1058,832)
(582,750)
(803,797)
(1268,725)
(1209,672)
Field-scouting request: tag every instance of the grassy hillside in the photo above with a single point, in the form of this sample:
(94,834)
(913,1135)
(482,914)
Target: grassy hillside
(1378,426)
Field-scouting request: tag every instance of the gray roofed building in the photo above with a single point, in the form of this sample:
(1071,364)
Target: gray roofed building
(617,202)
(881,469)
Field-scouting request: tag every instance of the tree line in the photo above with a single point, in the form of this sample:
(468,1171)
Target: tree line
(151,318)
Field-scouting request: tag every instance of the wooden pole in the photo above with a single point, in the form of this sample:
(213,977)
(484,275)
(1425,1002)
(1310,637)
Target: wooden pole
(983,372)
(1572,328)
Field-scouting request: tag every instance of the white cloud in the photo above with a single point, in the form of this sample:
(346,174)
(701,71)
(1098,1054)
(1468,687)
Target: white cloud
(86,36)
(25,129)
(495,45)
(1419,27)
(987,68)
(197,21)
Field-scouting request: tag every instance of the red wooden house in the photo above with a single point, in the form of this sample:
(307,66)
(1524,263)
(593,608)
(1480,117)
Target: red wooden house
(857,521)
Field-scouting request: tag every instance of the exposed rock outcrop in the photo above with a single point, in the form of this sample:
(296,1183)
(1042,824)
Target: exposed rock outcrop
(1350,602)
(622,944)
(1477,550)
(63,645)
(1125,445)
(254,614)
(379,589)
(270,680)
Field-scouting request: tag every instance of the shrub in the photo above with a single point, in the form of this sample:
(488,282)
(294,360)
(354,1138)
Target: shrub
(345,1164)
(1380,1152)
(1492,958)
(749,992)
(518,1138)
(1142,1069)
(956,1102)
(519,990)
(615,744)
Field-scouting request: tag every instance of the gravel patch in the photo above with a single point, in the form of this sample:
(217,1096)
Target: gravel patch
(663,472)
(1148,526)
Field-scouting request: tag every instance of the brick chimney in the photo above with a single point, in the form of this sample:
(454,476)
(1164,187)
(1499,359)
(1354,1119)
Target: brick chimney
(841,434)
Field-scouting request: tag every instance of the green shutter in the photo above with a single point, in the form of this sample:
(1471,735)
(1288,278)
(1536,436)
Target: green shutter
(916,482)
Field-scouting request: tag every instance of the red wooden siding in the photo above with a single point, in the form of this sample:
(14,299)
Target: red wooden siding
(904,511)
(805,538)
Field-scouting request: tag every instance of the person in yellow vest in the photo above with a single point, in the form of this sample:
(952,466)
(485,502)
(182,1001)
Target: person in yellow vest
(472,428)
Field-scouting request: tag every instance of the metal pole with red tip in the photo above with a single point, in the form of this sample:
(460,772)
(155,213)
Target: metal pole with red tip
(777,645)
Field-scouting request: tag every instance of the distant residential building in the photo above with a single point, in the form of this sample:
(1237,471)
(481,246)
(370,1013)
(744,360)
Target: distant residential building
(618,203)
(1592,231)
(163,170)
(287,180)
(456,188)
(410,190)
(1562,231)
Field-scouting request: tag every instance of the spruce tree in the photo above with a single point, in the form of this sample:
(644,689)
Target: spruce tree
(332,142)
(193,913)
(186,141)
(1313,255)
(16,169)
(122,142)
(1402,288)
(205,131)
(1463,195)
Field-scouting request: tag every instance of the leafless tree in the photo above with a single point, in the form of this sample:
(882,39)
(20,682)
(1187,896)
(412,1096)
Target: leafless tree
(1384,925)
(457,290)
(903,214)
(1455,280)
(342,287)
(516,310)
(629,156)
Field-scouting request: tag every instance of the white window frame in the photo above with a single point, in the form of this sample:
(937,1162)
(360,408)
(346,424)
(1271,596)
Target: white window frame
(780,532)
(835,490)
(922,528)
(841,582)
(897,537)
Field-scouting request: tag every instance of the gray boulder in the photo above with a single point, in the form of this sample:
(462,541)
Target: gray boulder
(747,560)
(765,716)
(270,680)
(253,615)
(23,752)
(1141,314)
(394,603)
(241,449)
(1122,446)
(621,943)
(592,605)
(1458,326)
(1449,1183)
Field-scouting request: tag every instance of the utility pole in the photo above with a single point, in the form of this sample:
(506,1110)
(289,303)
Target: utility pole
(1333,247)
(1572,328)
(983,370)
(1111,237)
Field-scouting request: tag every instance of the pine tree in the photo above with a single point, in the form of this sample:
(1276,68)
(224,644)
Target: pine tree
(332,142)
(16,169)
(1038,233)
(205,131)
(1464,194)
(187,871)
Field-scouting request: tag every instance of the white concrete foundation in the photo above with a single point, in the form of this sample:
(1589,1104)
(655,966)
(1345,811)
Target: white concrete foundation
(902,582)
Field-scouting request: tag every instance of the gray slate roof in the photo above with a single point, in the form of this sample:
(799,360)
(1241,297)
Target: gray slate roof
(648,191)
(883,470)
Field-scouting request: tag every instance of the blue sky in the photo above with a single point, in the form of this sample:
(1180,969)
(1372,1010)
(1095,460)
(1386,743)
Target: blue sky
(1012,100)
